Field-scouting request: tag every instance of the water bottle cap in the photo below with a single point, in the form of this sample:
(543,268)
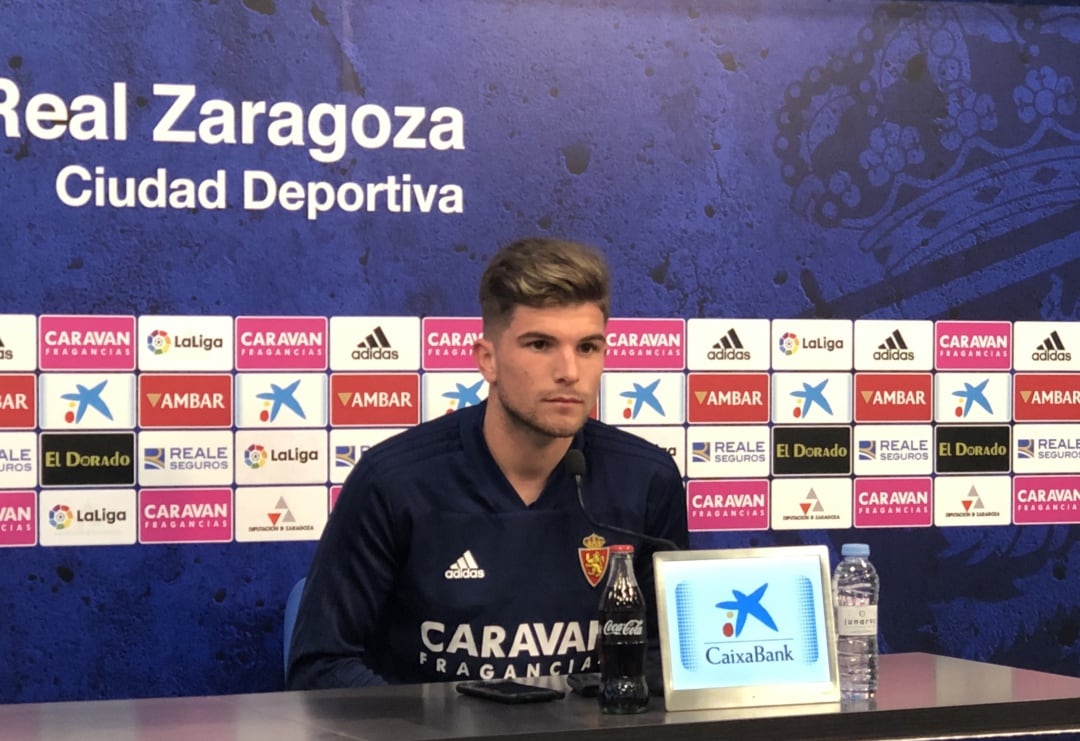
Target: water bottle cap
(622,548)
(858,550)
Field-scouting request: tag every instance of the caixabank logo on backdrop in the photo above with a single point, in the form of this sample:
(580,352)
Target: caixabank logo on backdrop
(646,344)
(170,458)
(727,398)
(906,345)
(448,392)
(375,343)
(811,451)
(730,504)
(283,343)
(1046,448)
(727,344)
(87,459)
(1046,500)
(894,502)
(18,460)
(18,343)
(1046,346)
(972,448)
(1046,397)
(348,447)
(281,457)
(811,503)
(185,343)
(86,343)
(728,451)
(185,515)
(448,342)
(972,397)
(972,346)
(642,398)
(893,450)
(961,501)
(18,518)
(269,400)
(894,397)
(279,513)
(18,401)
(185,400)
(811,398)
(359,399)
(88,401)
(69,517)
(811,344)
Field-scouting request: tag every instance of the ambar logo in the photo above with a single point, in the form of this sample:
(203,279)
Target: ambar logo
(99,459)
(18,401)
(173,400)
(1046,397)
(728,397)
(893,397)
(358,399)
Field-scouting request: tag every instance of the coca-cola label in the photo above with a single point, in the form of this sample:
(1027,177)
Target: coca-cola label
(625,628)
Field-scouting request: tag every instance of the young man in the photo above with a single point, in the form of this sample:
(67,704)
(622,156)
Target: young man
(458,549)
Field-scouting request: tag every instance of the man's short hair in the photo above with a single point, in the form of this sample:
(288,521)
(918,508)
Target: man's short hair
(540,272)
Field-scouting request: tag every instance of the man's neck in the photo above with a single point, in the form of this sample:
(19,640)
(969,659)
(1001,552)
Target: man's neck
(526,457)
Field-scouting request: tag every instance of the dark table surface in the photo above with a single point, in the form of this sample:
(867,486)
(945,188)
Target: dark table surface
(920,697)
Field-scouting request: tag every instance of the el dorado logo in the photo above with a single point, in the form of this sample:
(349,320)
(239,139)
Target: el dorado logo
(799,451)
(972,448)
(100,459)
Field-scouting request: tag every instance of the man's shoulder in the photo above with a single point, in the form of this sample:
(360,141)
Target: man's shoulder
(420,445)
(612,441)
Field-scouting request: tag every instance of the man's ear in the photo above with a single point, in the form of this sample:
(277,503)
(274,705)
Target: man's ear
(484,354)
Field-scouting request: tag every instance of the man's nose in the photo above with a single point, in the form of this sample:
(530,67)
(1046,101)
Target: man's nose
(566,370)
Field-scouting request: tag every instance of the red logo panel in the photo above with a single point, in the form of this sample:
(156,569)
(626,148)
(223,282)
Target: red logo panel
(360,399)
(1046,397)
(175,400)
(727,397)
(894,397)
(18,402)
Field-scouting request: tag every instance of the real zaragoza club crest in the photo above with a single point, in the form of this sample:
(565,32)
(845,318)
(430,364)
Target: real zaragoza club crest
(593,558)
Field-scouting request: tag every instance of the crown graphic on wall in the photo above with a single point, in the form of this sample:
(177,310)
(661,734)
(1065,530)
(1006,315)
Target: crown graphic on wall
(945,125)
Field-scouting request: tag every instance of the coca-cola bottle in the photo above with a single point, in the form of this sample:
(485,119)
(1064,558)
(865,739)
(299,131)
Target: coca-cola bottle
(622,638)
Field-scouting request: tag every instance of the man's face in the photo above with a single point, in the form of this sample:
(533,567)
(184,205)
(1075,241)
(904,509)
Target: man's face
(544,368)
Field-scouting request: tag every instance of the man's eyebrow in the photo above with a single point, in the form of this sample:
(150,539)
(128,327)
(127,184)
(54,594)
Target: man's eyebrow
(536,335)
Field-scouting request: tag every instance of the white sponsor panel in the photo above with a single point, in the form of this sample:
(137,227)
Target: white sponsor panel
(1046,346)
(86,401)
(727,344)
(18,342)
(281,400)
(374,343)
(893,450)
(811,398)
(171,458)
(447,392)
(886,344)
(185,343)
(812,344)
(281,457)
(727,451)
(671,440)
(18,460)
(811,503)
(275,513)
(87,517)
(1041,448)
(643,398)
(972,500)
(972,397)
(348,445)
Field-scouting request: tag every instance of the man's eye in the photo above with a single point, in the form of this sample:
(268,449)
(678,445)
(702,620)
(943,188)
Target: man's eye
(538,344)
(589,348)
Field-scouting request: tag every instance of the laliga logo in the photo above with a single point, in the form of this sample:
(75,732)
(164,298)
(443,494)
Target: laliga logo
(789,343)
(60,517)
(744,607)
(158,342)
(255,456)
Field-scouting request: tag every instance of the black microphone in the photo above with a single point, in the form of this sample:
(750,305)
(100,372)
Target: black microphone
(575,466)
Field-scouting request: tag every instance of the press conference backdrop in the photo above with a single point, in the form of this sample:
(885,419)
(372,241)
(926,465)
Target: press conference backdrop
(242,238)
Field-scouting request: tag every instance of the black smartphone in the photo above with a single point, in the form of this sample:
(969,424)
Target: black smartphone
(508,691)
(586,684)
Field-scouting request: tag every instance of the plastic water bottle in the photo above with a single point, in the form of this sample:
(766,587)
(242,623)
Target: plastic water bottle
(855,594)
